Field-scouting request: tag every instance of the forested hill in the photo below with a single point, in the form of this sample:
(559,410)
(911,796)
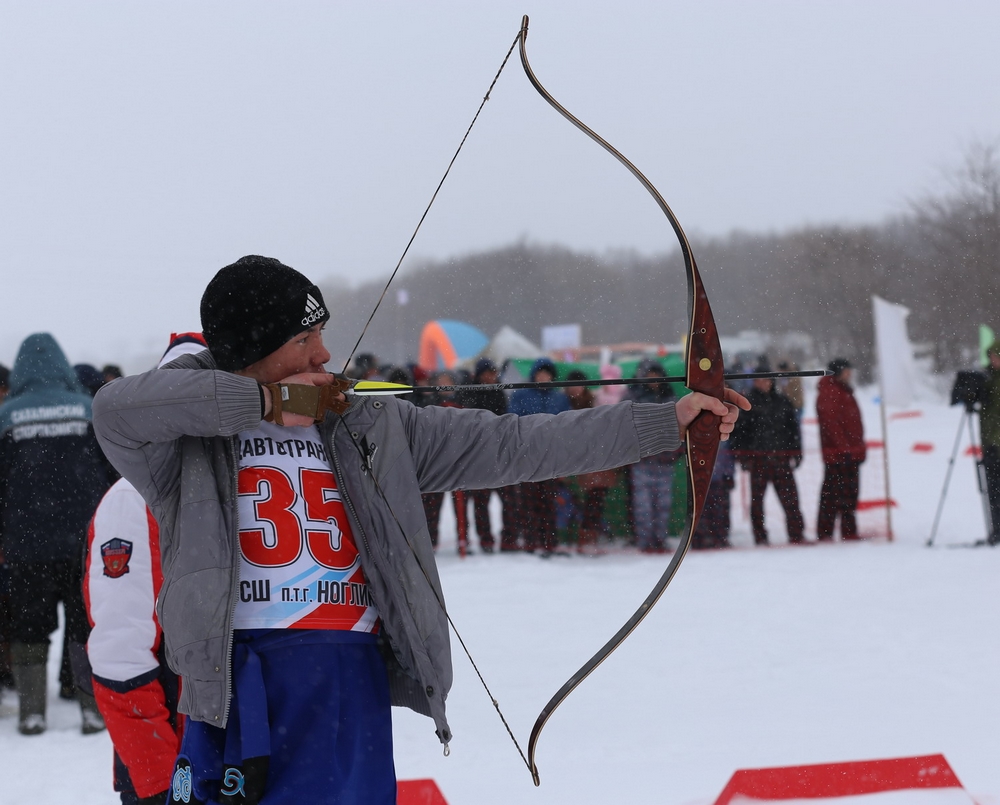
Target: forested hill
(941,259)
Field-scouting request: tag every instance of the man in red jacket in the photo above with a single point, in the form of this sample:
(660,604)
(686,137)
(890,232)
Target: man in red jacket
(842,438)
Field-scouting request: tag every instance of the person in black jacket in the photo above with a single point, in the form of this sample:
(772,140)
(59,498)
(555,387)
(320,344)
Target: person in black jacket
(652,478)
(434,500)
(989,419)
(496,401)
(6,675)
(768,443)
(52,475)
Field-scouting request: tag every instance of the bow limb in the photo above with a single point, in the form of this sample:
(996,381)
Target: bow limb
(704,370)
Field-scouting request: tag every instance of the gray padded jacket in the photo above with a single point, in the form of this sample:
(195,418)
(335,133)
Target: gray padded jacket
(172,433)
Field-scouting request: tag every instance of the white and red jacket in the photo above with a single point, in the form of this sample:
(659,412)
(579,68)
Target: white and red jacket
(135,691)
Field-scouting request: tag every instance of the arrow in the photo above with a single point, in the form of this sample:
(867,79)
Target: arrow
(375,388)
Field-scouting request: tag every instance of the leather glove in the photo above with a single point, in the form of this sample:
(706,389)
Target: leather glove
(310,401)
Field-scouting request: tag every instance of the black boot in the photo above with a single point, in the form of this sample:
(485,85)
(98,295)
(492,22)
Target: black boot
(83,689)
(93,721)
(67,688)
(28,662)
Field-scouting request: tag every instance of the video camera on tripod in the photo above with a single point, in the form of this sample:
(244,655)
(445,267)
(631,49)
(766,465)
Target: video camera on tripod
(969,390)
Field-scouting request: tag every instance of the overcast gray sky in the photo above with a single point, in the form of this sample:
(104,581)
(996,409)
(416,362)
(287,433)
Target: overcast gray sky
(145,145)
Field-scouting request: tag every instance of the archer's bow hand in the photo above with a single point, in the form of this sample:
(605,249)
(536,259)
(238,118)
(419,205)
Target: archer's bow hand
(691,405)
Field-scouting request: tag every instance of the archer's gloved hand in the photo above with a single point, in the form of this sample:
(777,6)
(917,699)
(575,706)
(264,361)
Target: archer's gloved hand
(303,400)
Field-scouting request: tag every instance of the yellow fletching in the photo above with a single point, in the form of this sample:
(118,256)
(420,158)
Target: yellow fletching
(369,388)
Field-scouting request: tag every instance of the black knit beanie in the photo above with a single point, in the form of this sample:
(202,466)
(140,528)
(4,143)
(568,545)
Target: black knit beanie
(252,307)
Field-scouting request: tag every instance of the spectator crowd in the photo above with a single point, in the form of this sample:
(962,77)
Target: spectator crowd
(645,503)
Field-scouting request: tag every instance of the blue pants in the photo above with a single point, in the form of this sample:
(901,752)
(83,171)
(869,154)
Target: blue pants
(309,722)
(652,489)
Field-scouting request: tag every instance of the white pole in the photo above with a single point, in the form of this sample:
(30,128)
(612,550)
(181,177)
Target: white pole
(885,457)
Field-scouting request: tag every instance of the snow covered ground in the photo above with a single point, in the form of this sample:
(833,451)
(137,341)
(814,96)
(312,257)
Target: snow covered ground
(754,657)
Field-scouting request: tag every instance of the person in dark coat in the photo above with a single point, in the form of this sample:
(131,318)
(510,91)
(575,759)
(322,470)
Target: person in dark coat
(540,401)
(52,475)
(487,399)
(434,500)
(6,675)
(536,508)
(90,377)
(989,420)
(365,367)
(588,491)
(712,530)
(768,444)
(496,401)
(842,439)
(652,478)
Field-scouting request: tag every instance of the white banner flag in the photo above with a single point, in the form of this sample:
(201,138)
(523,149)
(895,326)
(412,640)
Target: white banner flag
(897,369)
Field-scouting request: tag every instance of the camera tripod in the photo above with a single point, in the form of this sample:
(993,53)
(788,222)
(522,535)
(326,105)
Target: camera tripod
(966,421)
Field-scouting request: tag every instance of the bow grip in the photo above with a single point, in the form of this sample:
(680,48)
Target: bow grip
(703,441)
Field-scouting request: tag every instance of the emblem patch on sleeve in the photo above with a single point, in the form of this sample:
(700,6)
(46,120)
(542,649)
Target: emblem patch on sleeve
(116,554)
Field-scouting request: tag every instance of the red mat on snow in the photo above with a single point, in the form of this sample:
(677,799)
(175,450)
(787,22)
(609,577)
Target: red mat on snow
(418,792)
(927,780)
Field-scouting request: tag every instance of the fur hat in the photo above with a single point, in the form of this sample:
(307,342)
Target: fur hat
(252,307)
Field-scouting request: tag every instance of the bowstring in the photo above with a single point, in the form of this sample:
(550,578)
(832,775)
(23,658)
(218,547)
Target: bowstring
(420,223)
(437,596)
(378,487)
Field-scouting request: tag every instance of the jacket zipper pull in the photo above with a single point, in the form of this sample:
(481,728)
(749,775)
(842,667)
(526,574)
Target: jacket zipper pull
(368,450)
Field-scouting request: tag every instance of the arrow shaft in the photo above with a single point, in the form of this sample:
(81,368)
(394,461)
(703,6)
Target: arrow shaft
(559,384)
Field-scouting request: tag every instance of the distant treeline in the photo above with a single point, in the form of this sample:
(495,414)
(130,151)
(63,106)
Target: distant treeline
(941,259)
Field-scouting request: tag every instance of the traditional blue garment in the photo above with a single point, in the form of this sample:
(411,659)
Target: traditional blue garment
(309,721)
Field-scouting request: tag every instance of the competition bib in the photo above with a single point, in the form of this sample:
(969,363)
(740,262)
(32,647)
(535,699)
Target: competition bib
(299,565)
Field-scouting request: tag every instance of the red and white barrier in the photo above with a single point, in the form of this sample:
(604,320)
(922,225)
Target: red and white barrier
(927,780)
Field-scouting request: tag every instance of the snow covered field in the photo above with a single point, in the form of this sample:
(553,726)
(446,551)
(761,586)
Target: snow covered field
(753,657)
